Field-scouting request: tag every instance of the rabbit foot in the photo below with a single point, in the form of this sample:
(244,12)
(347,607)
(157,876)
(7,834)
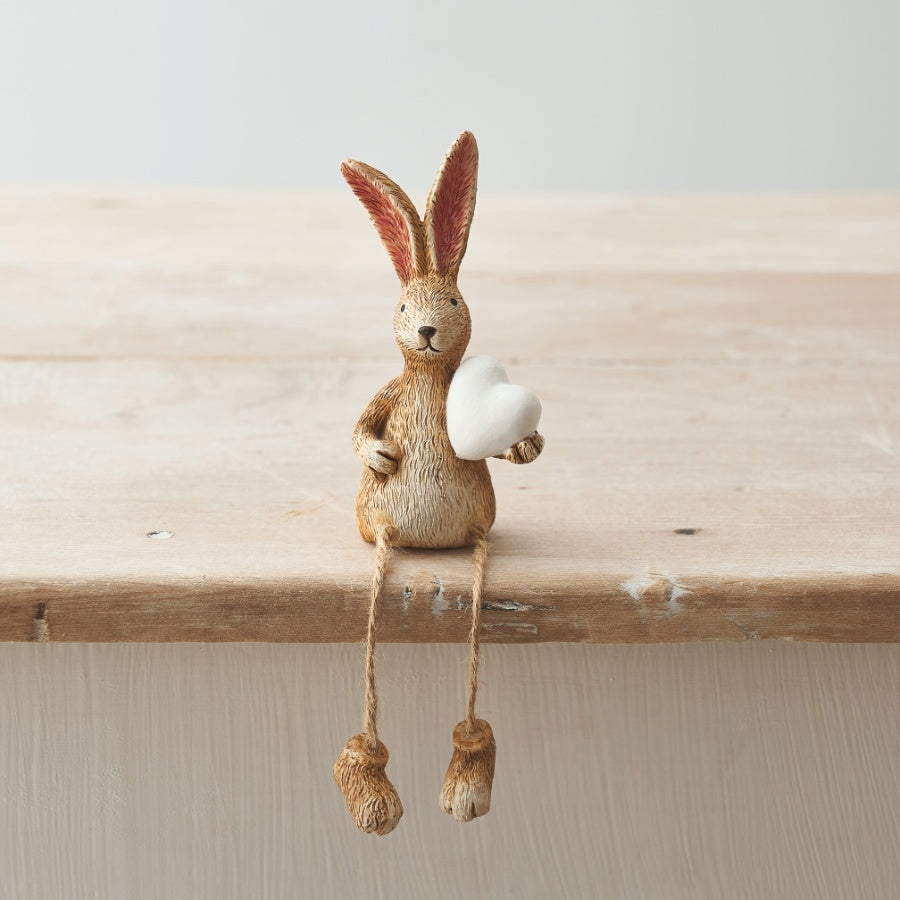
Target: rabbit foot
(466,793)
(371,798)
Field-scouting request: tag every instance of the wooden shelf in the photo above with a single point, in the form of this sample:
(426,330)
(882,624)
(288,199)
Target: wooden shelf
(721,383)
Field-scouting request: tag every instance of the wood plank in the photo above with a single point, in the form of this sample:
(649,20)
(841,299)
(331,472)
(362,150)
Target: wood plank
(630,317)
(196,229)
(251,470)
(584,609)
(751,400)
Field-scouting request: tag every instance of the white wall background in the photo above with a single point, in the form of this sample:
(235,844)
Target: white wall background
(644,95)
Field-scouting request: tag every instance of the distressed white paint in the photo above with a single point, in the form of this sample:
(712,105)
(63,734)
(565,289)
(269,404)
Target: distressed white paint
(880,440)
(702,771)
(636,586)
(439,602)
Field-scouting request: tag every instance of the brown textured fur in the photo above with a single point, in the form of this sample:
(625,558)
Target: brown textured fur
(411,475)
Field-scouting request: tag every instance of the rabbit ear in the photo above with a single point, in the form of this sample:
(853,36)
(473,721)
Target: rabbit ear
(393,215)
(451,204)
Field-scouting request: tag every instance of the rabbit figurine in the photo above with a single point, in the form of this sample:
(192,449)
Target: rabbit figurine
(415,491)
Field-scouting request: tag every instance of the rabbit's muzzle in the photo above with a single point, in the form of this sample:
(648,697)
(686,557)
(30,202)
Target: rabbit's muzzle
(427,332)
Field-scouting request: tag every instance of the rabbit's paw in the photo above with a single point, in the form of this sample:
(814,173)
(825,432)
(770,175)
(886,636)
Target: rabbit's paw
(371,798)
(525,451)
(467,787)
(381,456)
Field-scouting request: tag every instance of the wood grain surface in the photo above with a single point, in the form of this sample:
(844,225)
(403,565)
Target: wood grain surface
(721,385)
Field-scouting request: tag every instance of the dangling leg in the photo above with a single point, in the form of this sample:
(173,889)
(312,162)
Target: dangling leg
(467,786)
(480,560)
(360,769)
(383,552)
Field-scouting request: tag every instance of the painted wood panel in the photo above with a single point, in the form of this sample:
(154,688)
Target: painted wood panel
(203,772)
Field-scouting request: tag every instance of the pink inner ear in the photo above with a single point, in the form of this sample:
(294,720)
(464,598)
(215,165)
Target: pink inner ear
(453,202)
(389,221)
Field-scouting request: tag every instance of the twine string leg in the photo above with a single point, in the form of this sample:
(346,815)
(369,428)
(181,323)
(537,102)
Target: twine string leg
(382,557)
(360,769)
(480,559)
(466,792)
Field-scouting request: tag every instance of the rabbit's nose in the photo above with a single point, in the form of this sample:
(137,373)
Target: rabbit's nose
(427,331)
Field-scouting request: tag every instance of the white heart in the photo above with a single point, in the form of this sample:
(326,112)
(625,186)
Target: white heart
(486,414)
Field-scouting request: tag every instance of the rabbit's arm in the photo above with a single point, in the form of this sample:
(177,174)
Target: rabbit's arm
(378,454)
(525,451)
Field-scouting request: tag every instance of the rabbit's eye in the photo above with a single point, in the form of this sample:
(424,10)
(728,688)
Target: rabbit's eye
(403,307)
(454,301)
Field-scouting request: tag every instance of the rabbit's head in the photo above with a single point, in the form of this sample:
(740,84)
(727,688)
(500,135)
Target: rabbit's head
(431,320)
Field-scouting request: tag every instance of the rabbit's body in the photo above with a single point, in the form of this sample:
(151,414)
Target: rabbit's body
(411,477)
(434,499)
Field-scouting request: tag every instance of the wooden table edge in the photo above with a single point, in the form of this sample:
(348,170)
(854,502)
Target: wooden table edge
(605,609)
